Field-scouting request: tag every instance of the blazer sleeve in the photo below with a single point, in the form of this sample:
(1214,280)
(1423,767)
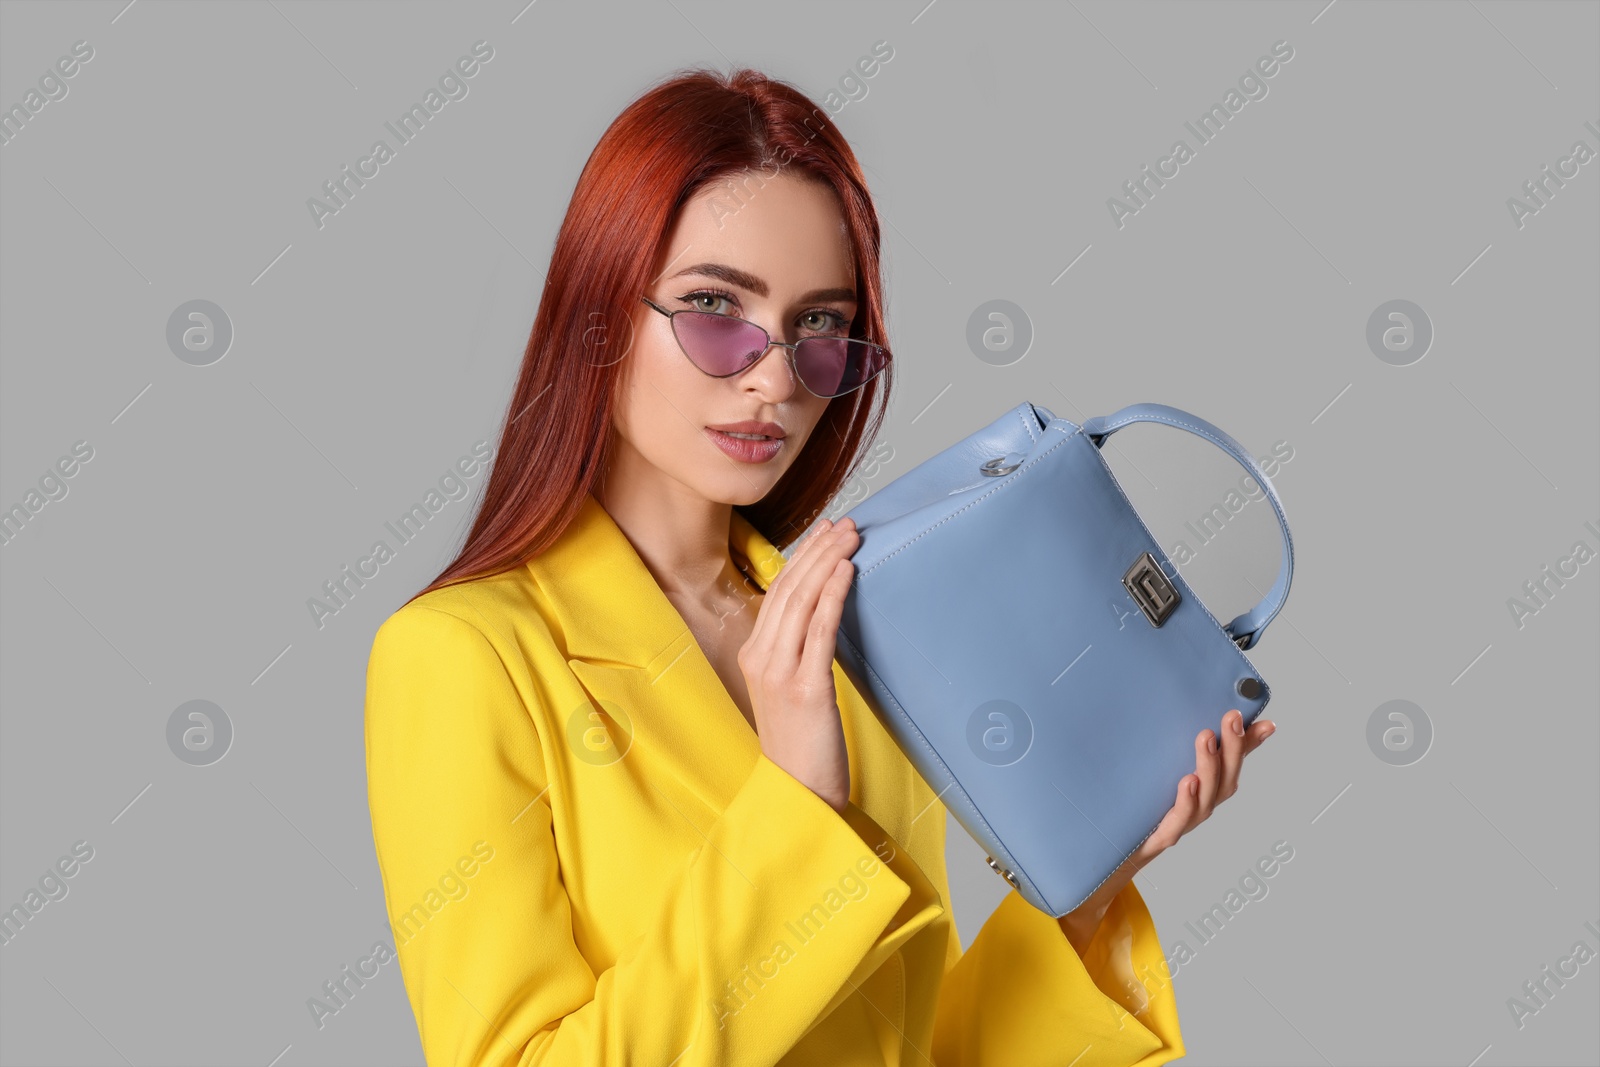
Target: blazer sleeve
(494,973)
(1021,994)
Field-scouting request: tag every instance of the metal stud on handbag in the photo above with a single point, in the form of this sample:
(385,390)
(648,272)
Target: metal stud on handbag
(1034,652)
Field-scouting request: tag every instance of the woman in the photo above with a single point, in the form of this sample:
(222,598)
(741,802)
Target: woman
(626,806)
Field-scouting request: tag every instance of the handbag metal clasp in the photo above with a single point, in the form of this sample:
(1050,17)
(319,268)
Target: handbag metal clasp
(1002,872)
(1002,465)
(1150,589)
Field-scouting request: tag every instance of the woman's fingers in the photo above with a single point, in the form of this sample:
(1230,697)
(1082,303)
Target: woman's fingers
(799,610)
(1219,770)
(1194,804)
(1208,765)
(822,637)
(1258,732)
(1232,753)
(1178,820)
(819,532)
(764,633)
(778,589)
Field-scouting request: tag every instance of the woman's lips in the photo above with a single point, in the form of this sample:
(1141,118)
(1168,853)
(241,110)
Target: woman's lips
(744,449)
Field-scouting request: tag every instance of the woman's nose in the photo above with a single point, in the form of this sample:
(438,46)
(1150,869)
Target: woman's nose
(771,373)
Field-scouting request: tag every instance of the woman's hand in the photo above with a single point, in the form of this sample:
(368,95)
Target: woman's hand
(788,663)
(1215,779)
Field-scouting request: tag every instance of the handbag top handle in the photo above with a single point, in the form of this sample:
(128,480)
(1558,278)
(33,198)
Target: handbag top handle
(1247,629)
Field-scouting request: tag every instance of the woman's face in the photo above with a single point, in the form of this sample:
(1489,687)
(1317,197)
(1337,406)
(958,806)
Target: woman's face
(777,254)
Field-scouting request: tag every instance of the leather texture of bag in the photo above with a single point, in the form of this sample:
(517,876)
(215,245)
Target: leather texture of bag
(1034,652)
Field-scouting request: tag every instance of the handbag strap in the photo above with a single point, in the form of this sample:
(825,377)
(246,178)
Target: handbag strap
(1247,629)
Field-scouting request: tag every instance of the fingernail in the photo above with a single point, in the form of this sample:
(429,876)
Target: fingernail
(1194,787)
(824,524)
(1211,743)
(1238,723)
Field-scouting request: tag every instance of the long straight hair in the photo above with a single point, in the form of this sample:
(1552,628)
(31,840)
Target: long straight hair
(680,135)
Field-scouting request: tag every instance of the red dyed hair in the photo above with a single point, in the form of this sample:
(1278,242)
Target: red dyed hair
(683,133)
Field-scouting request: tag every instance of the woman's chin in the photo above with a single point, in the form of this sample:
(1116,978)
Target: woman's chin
(737,491)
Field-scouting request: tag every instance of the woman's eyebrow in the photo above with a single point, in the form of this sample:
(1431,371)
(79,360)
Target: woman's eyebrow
(746,280)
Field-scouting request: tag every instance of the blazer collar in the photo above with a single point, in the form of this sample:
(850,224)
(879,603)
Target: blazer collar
(609,609)
(637,658)
(643,668)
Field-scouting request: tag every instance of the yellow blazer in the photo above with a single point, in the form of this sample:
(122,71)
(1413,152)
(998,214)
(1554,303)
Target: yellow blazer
(587,858)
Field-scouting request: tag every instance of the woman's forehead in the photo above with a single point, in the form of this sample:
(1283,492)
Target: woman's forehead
(786,233)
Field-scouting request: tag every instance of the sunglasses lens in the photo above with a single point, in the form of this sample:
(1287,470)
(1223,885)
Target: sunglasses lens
(724,345)
(719,344)
(833,366)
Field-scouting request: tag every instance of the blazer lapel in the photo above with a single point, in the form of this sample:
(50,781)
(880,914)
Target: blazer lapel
(643,669)
(637,658)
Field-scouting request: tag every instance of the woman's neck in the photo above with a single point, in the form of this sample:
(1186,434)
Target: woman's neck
(683,543)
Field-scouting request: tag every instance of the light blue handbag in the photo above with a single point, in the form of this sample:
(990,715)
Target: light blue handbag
(1034,652)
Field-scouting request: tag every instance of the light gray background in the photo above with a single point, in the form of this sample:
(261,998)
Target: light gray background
(370,354)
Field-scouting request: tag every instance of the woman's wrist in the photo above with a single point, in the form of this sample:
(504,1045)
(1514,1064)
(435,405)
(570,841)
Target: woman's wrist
(1079,925)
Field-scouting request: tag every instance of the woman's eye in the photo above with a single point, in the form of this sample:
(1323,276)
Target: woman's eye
(821,321)
(708,301)
(815,321)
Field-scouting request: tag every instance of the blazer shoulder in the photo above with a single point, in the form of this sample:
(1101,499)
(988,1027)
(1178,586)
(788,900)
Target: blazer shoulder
(476,633)
(504,609)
